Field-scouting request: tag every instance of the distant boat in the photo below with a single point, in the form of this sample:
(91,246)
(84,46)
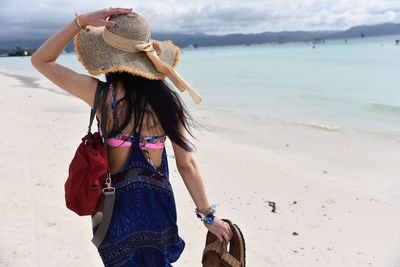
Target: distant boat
(318,41)
(193,46)
(397,42)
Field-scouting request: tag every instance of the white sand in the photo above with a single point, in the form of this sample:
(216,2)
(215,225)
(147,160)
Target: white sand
(345,187)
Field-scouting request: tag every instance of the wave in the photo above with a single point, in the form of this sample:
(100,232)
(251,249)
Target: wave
(384,109)
(321,126)
(380,133)
(262,119)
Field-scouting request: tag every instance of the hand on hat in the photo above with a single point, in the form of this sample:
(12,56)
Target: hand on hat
(98,18)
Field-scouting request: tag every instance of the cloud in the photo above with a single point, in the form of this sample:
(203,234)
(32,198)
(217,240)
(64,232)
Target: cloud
(27,19)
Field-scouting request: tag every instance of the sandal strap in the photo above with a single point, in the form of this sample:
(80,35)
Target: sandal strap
(229,259)
(214,246)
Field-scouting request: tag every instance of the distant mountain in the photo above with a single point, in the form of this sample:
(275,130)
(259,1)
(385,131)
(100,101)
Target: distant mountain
(367,31)
(184,40)
(243,39)
(22,43)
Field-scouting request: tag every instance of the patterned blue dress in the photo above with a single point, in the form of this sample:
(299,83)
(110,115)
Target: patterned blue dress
(143,231)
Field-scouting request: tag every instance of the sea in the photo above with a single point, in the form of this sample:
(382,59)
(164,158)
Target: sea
(338,85)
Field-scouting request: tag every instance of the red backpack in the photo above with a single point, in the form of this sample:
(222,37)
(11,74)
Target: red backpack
(89,170)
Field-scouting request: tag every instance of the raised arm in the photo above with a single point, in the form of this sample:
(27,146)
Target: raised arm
(44,59)
(191,176)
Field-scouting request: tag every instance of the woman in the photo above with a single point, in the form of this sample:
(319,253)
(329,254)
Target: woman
(143,112)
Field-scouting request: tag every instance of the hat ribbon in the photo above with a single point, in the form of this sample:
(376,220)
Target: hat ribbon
(152,49)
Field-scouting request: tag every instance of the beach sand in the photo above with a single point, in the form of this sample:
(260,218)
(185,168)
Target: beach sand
(336,193)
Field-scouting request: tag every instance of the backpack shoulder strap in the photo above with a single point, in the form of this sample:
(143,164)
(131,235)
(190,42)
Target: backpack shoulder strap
(96,103)
(104,112)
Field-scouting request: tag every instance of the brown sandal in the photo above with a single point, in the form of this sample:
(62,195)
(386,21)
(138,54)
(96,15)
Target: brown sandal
(236,257)
(212,251)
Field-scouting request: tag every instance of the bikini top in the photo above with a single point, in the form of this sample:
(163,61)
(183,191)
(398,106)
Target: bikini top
(123,139)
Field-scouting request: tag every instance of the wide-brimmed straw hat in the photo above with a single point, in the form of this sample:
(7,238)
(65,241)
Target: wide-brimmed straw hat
(129,48)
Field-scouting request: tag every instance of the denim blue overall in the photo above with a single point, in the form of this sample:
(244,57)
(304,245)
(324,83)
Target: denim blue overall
(143,231)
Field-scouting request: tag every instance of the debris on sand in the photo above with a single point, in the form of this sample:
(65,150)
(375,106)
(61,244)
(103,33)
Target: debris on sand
(272,204)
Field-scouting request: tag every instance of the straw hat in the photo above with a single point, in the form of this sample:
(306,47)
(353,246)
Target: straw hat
(129,48)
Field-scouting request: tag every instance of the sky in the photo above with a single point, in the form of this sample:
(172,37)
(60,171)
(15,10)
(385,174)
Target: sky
(37,19)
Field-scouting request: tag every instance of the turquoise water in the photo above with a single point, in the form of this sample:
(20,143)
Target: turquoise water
(337,85)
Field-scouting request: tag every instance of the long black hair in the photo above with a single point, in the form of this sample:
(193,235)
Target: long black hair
(167,105)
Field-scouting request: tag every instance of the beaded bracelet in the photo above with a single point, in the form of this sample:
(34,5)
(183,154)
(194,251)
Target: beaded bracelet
(207,216)
(79,23)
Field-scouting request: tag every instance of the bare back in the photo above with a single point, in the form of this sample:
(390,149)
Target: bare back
(150,127)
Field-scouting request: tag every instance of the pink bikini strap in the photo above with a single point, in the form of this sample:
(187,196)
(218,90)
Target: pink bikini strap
(155,146)
(117,142)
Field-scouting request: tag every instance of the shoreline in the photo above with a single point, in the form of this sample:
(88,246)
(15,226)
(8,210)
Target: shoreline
(332,189)
(321,151)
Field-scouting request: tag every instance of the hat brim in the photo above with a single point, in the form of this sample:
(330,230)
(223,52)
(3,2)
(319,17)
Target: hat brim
(98,57)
